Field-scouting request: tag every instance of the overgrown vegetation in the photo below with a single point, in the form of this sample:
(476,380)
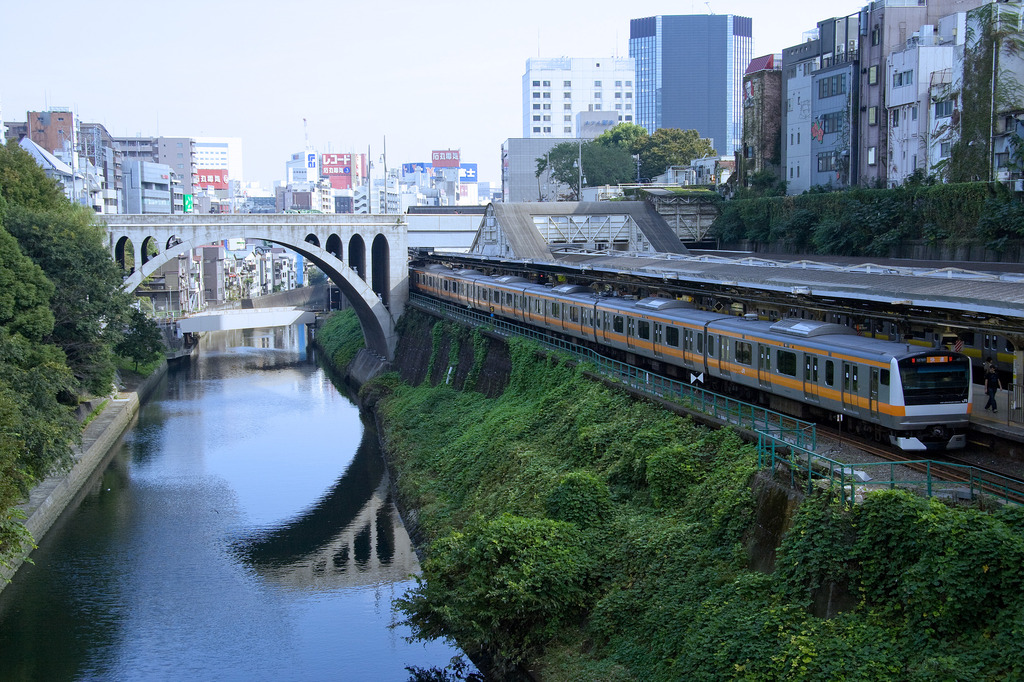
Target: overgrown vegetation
(61,314)
(340,337)
(872,222)
(590,536)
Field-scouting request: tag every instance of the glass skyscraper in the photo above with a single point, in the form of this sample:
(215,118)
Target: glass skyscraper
(689,74)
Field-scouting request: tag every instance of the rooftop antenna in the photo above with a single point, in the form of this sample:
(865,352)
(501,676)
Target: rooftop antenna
(710,11)
(305,132)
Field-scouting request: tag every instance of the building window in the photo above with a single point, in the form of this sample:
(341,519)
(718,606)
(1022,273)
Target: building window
(895,118)
(832,122)
(567,84)
(536,105)
(567,107)
(566,95)
(628,105)
(618,84)
(629,95)
(944,149)
(536,95)
(536,84)
(913,113)
(547,84)
(547,106)
(547,129)
(536,129)
(629,84)
(597,95)
(536,117)
(872,116)
(872,153)
(876,36)
(826,162)
(873,75)
(618,95)
(628,117)
(902,78)
(597,107)
(618,106)
(597,84)
(831,86)
(568,118)
(547,118)
(567,129)
(944,108)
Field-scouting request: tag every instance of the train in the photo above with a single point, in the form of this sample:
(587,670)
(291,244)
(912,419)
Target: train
(915,398)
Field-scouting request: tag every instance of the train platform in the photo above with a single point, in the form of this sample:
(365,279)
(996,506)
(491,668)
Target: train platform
(1005,422)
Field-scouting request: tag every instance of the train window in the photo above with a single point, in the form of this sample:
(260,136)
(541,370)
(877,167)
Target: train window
(711,346)
(643,329)
(556,310)
(786,362)
(617,324)
(1009,346)
(446,285)
(830,373)
(744,355)
(536,306)
(574,314)
(884,378)
(700,343)
(672,336)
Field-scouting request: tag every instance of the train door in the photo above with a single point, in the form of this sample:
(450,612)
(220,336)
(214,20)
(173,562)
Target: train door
(851,387)
(656,339)
(724,355)
(764,365)
(630,332)
(873,393)
(811,377)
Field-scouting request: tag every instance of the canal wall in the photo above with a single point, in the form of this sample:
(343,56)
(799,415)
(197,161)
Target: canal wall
(51,497)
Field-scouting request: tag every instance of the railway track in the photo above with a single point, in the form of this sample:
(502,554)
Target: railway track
(949,469)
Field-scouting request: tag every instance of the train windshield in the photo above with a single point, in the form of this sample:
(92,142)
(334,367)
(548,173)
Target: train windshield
(936,379)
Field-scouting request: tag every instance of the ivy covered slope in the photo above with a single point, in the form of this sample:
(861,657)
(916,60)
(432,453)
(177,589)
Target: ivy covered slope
(584,535)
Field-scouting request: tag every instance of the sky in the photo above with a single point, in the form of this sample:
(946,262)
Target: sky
(416,76)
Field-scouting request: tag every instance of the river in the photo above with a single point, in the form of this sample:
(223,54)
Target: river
(242,531)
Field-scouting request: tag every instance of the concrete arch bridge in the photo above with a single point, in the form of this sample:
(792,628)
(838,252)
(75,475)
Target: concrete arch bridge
(366,256)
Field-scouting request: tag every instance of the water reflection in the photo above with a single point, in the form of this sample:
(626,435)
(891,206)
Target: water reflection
(242,531)
(352,535)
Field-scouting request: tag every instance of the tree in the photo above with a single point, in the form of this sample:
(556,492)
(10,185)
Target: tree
(89,308)
(503,587)
(671,147)
(602,165)
(142,340)
(629,136)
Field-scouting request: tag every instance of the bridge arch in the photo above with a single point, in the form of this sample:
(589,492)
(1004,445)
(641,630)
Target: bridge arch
(303,234)
(357,255)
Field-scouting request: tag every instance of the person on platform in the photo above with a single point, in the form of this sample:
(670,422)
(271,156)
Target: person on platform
(992,386)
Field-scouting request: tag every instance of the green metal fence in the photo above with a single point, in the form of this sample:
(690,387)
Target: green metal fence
(808,470)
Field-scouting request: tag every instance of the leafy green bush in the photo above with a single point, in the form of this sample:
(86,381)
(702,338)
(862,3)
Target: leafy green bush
(340,337)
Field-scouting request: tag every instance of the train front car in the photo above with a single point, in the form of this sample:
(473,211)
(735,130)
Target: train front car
(935,391)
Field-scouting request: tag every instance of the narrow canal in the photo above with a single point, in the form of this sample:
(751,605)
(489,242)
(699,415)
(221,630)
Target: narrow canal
(242,531)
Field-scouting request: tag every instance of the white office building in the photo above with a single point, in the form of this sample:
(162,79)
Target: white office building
(220,153)
(556,90)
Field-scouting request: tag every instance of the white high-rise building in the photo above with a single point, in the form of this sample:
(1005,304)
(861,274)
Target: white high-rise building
(220,153)
(556,90)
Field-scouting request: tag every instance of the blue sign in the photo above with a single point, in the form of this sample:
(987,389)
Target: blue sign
(467,172)
(311,160)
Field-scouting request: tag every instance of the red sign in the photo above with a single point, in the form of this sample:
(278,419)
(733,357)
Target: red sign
(335,164)
(217,178)
(448,158)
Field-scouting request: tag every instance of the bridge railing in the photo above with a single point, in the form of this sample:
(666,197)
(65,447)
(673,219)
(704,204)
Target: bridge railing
(775,426)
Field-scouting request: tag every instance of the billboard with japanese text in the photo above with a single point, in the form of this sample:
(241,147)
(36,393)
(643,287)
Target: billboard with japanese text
(447,158)
(215,178)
